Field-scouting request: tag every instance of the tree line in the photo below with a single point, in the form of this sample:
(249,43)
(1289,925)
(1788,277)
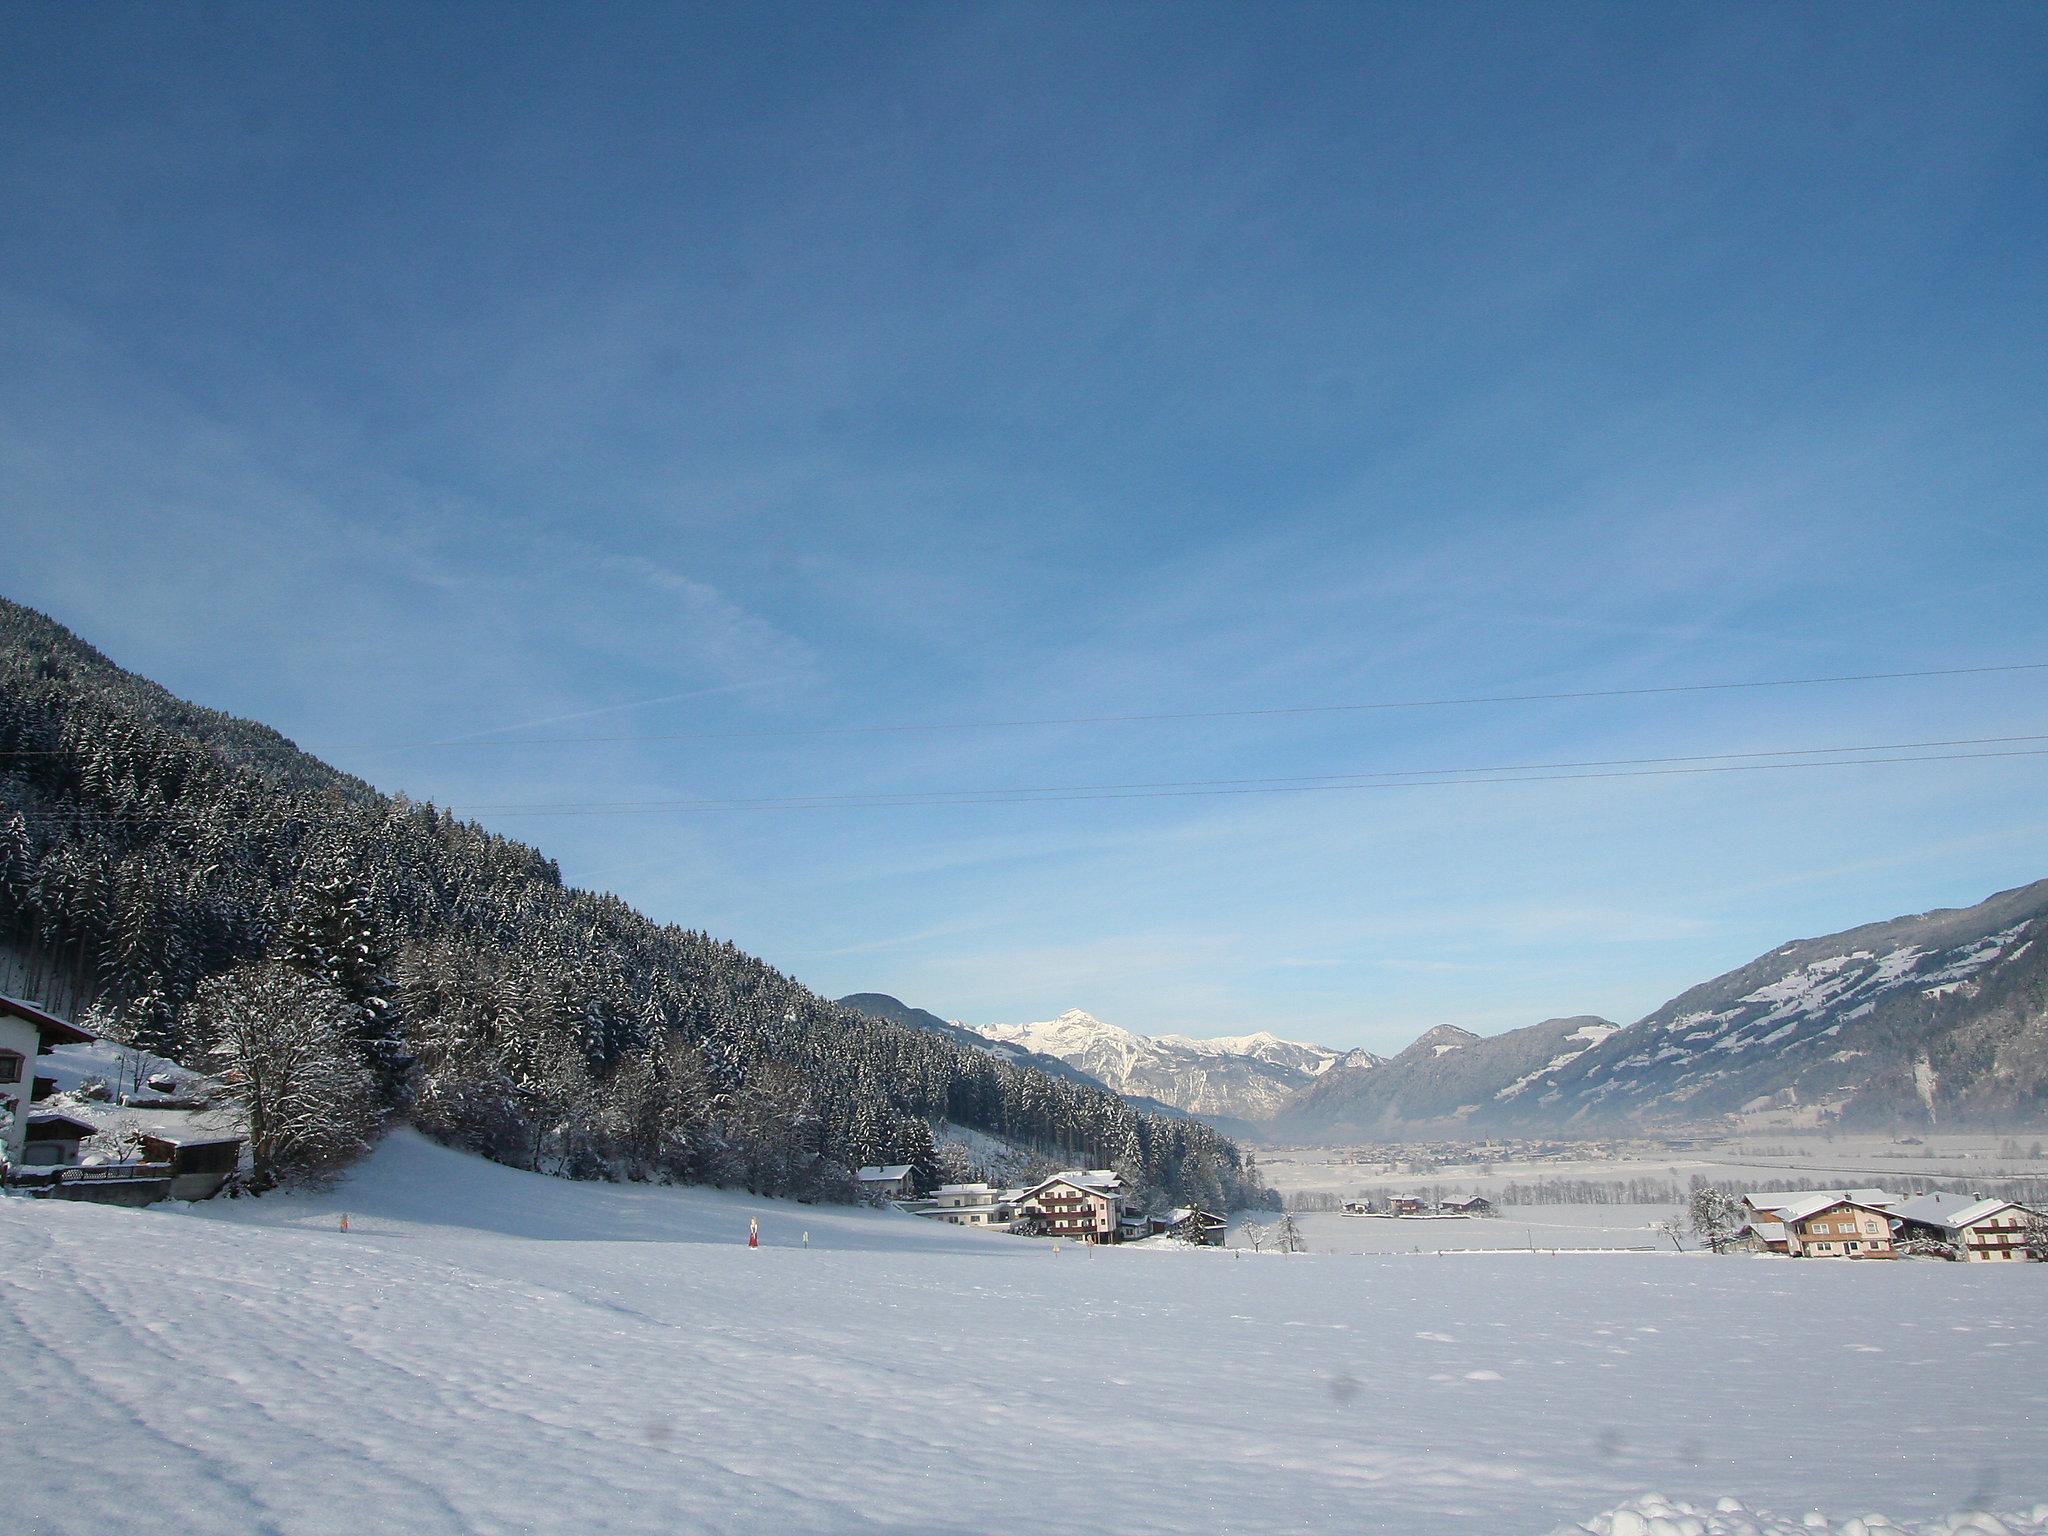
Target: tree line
(188,877)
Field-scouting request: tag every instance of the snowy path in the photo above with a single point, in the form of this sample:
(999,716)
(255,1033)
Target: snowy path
(489,1352)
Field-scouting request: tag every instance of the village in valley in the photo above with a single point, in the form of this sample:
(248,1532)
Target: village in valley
(113,1126)
(1082,1205)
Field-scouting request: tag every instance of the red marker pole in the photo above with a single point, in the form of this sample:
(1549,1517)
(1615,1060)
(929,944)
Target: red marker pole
(753,1232)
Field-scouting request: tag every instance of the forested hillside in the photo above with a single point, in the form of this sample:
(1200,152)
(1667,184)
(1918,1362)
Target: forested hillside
(147,846)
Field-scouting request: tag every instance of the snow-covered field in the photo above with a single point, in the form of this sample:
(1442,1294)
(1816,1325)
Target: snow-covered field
(1768,1161)
(487,1351)
(1543,1228)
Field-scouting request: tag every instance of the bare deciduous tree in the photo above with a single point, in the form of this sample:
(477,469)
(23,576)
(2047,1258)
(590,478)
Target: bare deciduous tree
(281,1044)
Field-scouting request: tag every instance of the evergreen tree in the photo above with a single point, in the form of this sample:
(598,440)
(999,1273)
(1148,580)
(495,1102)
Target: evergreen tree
(333,938)
(150,848)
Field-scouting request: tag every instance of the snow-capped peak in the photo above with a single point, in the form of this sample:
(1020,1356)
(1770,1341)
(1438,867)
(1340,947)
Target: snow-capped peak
(1245,1075)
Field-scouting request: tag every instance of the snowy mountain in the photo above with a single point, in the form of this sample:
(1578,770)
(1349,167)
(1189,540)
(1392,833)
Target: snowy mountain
(1447,1078)
(880,1005)
(1245,1077)
(1312,1060)
(1936,1018)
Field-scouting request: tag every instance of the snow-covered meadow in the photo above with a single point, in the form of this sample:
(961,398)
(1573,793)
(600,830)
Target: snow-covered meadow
(488,1351)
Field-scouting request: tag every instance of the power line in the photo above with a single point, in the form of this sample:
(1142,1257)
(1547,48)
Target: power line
(1163,716)
(1420,778)
(1151,717)
(820,802)
(1286,781)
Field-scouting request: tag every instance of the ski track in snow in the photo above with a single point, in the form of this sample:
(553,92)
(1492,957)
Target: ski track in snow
(493,1352)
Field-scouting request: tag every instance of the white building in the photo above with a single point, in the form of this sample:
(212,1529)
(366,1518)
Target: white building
(1084,1204)
(1980,1231)
(971,1205)
(891,1181)
(1770,1205)
(26,1032)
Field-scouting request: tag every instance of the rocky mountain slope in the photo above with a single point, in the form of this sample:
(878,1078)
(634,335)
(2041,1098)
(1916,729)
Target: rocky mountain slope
(1935,1018)
(1247,1077)
(1447,1078)
(1940,1018)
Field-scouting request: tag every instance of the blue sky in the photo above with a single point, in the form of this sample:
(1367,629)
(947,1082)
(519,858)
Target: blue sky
(665,396)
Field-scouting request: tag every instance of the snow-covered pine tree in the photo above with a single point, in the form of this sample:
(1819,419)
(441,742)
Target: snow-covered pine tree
(333,938)
(914,1145)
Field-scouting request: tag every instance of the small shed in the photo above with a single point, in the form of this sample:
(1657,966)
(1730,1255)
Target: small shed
(199,1165)
(53,1139)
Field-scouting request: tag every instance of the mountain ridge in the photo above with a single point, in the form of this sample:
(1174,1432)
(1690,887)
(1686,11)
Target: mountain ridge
(1248,1077)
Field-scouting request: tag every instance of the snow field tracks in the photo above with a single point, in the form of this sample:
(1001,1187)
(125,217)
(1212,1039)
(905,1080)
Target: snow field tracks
(485,1351)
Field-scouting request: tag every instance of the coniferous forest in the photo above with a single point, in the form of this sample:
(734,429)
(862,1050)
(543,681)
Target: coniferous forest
(176,876)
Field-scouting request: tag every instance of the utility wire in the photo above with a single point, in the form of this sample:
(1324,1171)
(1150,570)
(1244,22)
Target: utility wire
(1426,778)
(1276,711)
(909,801)
(1305,780)
(1223,714)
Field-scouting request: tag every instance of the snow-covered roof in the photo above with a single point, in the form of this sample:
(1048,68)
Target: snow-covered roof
(1094,1181)
(1934,1209)
(1779,1200)
(47,1120)
(1092,1178)
(1813,1205)
(1978,1211)
(55,1031)
(887,1174)
(183,1127)
(964,1189)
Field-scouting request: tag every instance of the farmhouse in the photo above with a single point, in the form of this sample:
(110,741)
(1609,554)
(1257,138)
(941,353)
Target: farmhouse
(1770,1205)
(1977,1230)
(1825,1226)
(970,1205)
(892,1181)
(1084,1204)
(26,1032)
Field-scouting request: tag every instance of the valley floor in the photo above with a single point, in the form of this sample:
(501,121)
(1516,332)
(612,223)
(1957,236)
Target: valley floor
(485,1351)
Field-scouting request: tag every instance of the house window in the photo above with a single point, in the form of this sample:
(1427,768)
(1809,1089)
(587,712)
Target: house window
(10,1067)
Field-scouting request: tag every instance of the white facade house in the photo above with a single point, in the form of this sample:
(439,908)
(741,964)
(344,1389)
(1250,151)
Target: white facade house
(26,1032)
(889,1181)
(1770,1205)
(1979,1231)
(1084,1204)
(971,1205)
